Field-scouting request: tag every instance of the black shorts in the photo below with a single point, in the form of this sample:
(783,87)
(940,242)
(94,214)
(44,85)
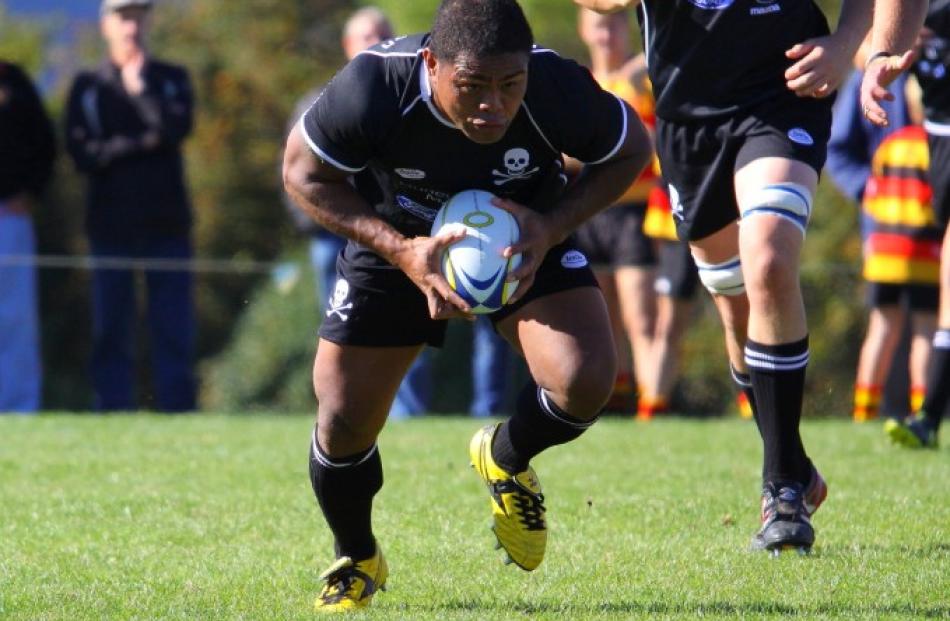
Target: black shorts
(700,158)
(940,176)
(374,306)
(677,276)
(614,238)
(921,298)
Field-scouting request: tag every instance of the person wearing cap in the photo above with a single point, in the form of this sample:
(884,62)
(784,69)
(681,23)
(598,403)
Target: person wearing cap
(126,121)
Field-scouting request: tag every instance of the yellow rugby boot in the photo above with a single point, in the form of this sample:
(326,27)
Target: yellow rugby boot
(350,585)
(516,502)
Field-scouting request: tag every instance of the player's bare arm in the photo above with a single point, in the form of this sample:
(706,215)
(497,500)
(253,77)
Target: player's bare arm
(822,63)
(325,194)
(896,25)
(597,187)
(606,6)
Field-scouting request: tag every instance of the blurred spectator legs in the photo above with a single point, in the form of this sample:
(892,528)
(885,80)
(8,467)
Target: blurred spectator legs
(171,323)
(20,369)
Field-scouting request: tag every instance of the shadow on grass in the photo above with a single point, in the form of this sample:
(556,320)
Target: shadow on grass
(688,609)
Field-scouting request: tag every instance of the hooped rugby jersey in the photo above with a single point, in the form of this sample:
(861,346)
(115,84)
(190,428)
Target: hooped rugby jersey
(377,117)
(714,58)
(931,69)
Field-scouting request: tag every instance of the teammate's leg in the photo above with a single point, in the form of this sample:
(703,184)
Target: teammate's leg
(774,197)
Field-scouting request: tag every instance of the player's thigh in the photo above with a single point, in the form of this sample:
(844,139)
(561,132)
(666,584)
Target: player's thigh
(355,386)
(567,342)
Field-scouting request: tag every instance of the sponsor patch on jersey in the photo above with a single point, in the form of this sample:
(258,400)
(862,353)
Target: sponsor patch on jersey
(420,211)
(714,5)
(767,6)
(573,259)
(410,173)
(800,136)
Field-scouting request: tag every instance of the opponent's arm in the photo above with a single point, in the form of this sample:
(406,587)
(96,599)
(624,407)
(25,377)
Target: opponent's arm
(324,193)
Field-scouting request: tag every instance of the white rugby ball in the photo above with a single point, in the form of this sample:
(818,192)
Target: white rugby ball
(474,266)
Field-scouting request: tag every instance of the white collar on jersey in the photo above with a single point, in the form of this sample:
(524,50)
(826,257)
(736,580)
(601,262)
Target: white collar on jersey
(426,90)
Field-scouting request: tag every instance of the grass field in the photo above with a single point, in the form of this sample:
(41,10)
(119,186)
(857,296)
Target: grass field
(212,517)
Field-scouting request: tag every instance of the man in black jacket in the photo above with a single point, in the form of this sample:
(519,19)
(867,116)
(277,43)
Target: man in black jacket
(27,148)
(125,123)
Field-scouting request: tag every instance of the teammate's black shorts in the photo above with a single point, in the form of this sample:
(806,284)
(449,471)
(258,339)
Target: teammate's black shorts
(940,176)
(677,276)
(614,238)
(699,159)
(916,297)
(377,306)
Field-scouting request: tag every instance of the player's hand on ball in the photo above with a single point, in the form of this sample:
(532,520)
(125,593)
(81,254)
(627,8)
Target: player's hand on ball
(420,261)
(535,241)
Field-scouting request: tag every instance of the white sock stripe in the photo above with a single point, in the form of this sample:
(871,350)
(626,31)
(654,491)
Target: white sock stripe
(325,461)
(941,339)
(764,357)
(745,381)
(548,409)
(776,366)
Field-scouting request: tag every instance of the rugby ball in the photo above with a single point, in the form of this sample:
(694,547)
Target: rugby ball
(474,266)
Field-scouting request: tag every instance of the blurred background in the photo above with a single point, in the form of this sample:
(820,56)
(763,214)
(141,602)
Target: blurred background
(250,62)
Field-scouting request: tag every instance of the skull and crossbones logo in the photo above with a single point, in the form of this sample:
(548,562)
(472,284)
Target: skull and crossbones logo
(516,163)
(337,306)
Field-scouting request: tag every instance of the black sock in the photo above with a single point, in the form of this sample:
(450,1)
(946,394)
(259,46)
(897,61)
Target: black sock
(778,379)
(537,424)
(345,488)
(938,381)
(744,382)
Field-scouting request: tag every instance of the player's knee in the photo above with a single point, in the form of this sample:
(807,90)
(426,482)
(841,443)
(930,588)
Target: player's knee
(789,201)
(724,278)
(583,389)
(770,272)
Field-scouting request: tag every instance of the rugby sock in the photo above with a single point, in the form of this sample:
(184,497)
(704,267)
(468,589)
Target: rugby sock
(744,382)
(648,407)
(345,488)
(867,401)
(917,394)
(938,384)
(778,379)
(537,424)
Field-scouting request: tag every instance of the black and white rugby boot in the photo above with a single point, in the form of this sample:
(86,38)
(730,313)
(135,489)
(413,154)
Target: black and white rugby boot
(785,520)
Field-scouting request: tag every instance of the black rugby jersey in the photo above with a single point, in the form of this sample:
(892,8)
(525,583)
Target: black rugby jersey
(713,58)
(377,118)
(932,66)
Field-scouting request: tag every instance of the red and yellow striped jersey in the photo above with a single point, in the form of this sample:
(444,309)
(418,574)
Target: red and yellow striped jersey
(903,241)
(641,100)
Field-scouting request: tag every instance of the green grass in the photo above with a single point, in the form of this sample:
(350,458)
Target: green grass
(212,517)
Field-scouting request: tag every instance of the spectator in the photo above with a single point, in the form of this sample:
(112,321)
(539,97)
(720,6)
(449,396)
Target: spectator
(675,286)
(27,149)
(125,124)
(623,257)
(853,143)
(901,266)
